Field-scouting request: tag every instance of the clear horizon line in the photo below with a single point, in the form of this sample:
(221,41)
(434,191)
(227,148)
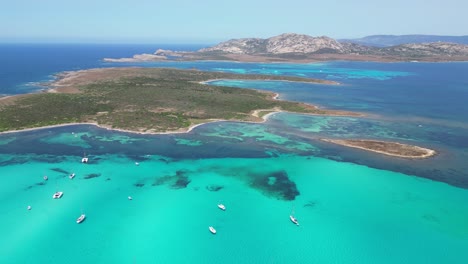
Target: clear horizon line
(110,42)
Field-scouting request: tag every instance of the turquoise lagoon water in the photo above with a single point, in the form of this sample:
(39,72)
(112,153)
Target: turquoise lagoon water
(348,213)
(353,206)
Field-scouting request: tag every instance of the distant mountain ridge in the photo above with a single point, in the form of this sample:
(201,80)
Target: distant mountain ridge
(393,40)
(291,47)
(291,43)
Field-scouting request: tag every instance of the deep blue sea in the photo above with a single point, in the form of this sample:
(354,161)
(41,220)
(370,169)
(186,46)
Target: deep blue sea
(353,206)
(23,65)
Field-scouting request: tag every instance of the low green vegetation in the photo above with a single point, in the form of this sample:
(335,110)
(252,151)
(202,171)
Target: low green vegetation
(146,100)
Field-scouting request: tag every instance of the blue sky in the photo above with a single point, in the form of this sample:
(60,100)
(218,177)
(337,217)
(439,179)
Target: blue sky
(210,21)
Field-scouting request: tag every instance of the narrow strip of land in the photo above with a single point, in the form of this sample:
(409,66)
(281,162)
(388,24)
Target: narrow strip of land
(385,147)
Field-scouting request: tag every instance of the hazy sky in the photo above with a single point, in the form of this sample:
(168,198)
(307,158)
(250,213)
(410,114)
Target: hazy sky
(209,21)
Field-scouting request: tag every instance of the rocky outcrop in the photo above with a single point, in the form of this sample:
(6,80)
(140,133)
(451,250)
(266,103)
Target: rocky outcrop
(166,53)
(296,43)
(239,46)
(284,43)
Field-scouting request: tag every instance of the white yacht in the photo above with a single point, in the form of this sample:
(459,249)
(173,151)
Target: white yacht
(222,207)
(45,178)
(84,160)
(130,198)
(71,176)
(29,207)
(293,219)
(136,163)
(81,218)
(57,195)
(212,230)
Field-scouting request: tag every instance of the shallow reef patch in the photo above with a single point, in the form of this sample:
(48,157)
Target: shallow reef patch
(214,187)
(276,184)
(92,175)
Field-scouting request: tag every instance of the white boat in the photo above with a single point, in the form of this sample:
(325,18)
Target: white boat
(130,198)
(81,218)
(45,178)
(293,219)
(136,163)
(222,207)
(212,230)
(57,195)
(29,207)
(84,160)
(71,176)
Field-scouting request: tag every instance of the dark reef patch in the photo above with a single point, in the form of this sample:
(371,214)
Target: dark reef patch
(310,204)
(138,158)
(431,218)
(60,170)
(181,182)
(139,184)
(14,161)
(178,181)
(108,179)
(180,173)
(164,160)
(161,180)
(214,187)
(36,184)
(271,183)
(49,159)
(92,175)
(276,184)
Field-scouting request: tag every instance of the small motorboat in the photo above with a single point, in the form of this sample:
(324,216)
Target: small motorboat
(29,207)
(81,218)
(45,178)
(84,160)
(293,219)
(130,198)
(137,164)
(57,195)
(212,230)
(222,207)
(71,176)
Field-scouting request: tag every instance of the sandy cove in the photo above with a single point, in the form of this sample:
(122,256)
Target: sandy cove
(181,131)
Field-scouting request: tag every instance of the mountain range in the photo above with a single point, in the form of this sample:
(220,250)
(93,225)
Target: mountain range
(291,47)
(393,40)
(296,45)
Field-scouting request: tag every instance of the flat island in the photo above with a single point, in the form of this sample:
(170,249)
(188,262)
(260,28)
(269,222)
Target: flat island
(147,100)
(385,147)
